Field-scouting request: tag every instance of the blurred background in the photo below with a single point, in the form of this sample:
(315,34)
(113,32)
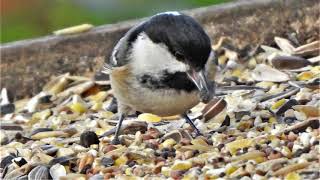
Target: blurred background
(24,19)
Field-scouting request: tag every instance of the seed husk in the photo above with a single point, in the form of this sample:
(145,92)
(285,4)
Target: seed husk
(175,135)
(285,45)
(293,167)
(56,171)
(47,134)
(289,62)
(39,172)
(213,108)
(263,72)
(10,127)
(307,49)
(64,160)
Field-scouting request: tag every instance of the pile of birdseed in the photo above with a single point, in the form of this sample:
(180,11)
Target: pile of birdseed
(262,124)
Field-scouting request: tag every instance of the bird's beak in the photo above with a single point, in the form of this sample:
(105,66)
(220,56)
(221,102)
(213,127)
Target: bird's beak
(201,81)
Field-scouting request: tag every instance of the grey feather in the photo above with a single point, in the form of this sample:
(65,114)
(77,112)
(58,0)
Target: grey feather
(121,52)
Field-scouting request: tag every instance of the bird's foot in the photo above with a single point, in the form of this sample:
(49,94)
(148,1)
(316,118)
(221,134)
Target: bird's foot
(198,132)
(115,141)
(189,121)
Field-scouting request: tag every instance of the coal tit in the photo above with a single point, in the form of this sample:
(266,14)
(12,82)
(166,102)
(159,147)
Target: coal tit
(159,67)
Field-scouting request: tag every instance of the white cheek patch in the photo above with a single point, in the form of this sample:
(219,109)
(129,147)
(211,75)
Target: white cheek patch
(150,58)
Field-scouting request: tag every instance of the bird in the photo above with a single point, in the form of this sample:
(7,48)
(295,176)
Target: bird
(159,67)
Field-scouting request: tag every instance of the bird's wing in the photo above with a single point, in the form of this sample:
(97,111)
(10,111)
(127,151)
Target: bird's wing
(119,56)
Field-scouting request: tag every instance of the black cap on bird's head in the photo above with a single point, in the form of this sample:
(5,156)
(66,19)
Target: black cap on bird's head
(188,42)
(183,36)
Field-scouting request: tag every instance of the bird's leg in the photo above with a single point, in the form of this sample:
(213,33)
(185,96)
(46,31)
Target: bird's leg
(188,120)
(113,106)
(117,133)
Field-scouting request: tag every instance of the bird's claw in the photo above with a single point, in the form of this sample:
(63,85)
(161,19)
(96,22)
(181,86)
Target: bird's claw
(115,141)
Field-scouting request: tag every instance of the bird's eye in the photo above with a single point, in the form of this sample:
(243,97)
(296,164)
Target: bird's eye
(179,55)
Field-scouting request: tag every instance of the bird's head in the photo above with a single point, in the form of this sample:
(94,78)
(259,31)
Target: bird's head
(174,42)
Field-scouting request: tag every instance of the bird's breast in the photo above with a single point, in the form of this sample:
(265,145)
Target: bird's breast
(165,96)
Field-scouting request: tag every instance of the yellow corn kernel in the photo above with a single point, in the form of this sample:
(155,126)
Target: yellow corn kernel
(265,84)
(259,159)
(168,143)
(128,171)
(287,152)
(272,120)
(199,141)
(99,97)
(106,114)
(292,176)
(237,73)
(165,171)
(149,117)
(222,60)
(181,165)
(278,104)
(267,129)
(100,131)
(230,170)
(97,106)
(122,160)
(315,70)
(78,108)
(238,144)
(188,177)
(304,76)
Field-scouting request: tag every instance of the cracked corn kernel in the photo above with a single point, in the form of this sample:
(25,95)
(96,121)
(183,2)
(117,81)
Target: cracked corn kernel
(259,159)
(165,171)
(181,165)
(238,144)
(78,108)
(315,70)
(286,152)
(168,143)
(106,114)
(272,120)
(265,84)
(122,160)
(267,129)
(149,117)
(304,76)
(222,60)
(292,176)
(188,177)
(97,106)
(99,97)
(230,170)
(128,171)
(237,73)
(199,141)
(100,131)
(278,104)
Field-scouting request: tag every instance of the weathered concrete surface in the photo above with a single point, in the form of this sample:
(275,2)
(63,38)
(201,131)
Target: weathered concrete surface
(27,65)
